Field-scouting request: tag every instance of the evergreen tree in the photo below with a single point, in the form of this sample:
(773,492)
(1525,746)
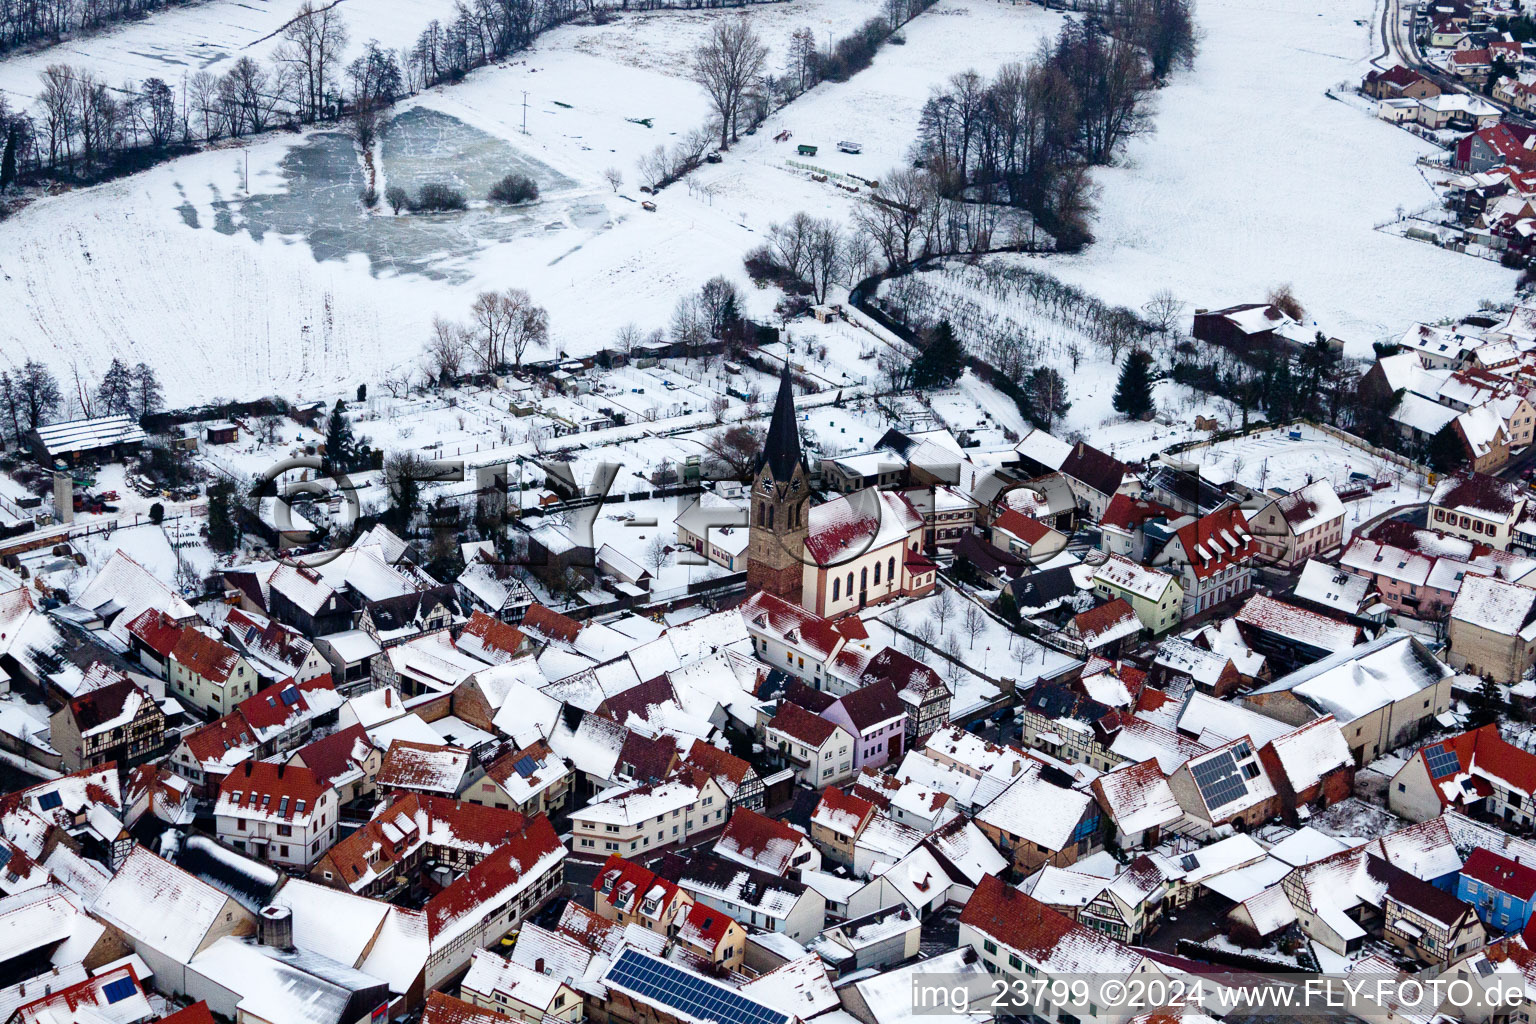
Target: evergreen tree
(1133,395)
(115,394)
(1005,606)
(402,476)
(223,530)
(8,159)
(1279,389)
(1446,453)
(1047,391)
(940,362)
(147,395)
(340,445)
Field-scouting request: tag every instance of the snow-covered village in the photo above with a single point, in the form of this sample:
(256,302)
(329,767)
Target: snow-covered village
(767,511)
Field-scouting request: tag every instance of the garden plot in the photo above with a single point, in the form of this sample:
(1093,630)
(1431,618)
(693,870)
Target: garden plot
(1271,460)
(983,302)
(1221,203)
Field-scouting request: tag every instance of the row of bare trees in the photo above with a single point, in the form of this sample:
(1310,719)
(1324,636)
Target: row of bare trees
(33,21)
(83,125)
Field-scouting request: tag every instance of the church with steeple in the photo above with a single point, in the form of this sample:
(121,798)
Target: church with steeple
(780,514)
(836,557)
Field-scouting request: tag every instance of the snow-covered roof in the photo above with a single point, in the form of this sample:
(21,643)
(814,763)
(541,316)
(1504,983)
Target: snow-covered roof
(89,434)
(1122,574)
(1331,587)
(1038,811)
(1499,607)
(158,904)
(1355,682)
(1310,507)
(1138,797)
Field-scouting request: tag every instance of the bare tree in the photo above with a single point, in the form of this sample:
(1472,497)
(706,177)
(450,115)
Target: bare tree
(974,623)
(1163,310)
(627,338)
(728,64)
(445,350)
(943,608)
(736,448)
(1284,299)
(492,314)
(657,554)
(614,177)
(924,632)
(530,324)
(718,407)
(312,48)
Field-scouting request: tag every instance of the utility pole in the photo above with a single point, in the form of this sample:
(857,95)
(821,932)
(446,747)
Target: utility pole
(525,111)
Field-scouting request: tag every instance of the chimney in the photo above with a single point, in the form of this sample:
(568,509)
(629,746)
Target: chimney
(280,767)
(247,769)
(538,965)
(389,700)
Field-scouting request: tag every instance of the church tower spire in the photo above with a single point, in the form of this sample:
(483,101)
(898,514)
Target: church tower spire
(780,505)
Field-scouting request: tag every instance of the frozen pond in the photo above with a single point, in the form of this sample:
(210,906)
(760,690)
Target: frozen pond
(323,178)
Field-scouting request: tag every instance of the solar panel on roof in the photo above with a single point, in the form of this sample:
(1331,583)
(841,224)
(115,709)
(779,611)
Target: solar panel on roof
(1441,761)
(525,766)
(290,696)
(117,991)
(5,856)
(1219,780)
(48,801)
(694,996)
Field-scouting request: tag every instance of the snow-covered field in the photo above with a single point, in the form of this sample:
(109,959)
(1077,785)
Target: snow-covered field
(1255,178)
(252,270)
(181,41)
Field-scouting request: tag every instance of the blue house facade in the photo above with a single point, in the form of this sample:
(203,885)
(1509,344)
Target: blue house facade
(1501,890)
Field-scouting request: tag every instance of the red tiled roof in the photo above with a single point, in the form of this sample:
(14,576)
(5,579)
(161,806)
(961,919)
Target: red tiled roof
(273,706)
(717,763)
(494,634)
(1125,512)
(628,883)
(214,740)
(489,879)
(706,926)
(331,756)
(870,705)
(92,708)
(648,757)
(1025,528)
(798,723)
(1225,538)
(411,765)
(197,1013)
(1503,874)
(1483,752)
(791,623)
(751,834)
(156,630)
(1015,918)
(271,790)
(1095,622)
(835,804)
(204,656)
(444,1009)
(548,625)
